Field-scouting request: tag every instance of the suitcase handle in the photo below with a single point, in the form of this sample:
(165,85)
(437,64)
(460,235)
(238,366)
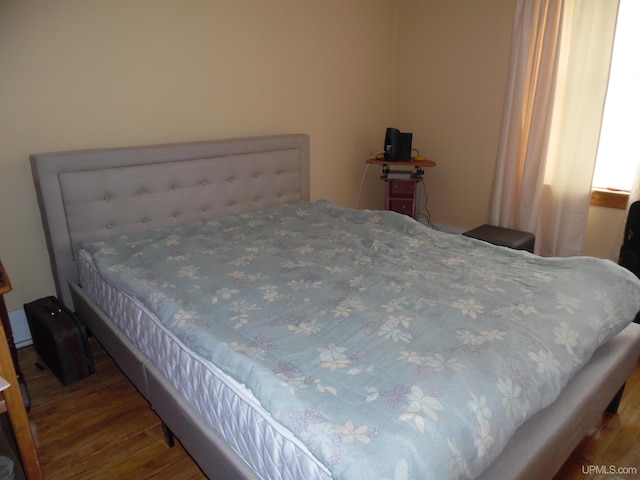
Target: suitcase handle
(52,308)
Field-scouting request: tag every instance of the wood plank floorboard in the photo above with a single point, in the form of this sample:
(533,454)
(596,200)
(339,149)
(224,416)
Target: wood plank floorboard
(102,428)
(611,450)
(99,427)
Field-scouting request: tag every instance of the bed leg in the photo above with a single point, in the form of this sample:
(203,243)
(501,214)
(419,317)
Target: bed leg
(615,403)
(168,435)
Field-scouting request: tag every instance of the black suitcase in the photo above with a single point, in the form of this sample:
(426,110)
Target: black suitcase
(60,339)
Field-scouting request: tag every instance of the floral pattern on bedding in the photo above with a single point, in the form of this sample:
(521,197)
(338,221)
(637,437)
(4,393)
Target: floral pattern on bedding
(391,350)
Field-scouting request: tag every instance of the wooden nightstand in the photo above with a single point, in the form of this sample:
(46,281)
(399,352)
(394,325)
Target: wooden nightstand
(402,188)
(13,396)
(5,287)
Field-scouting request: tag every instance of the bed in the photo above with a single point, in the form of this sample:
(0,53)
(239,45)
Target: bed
(97,204)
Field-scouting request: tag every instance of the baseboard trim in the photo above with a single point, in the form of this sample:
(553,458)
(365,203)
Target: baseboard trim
(20,327)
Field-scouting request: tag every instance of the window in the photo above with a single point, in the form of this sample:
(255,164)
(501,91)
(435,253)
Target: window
(619,148)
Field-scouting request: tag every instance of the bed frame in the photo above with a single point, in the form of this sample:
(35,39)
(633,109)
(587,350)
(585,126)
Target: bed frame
(88,195)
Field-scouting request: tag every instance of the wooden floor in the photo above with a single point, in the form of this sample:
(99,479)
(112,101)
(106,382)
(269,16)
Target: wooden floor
(612,449)
(101,428)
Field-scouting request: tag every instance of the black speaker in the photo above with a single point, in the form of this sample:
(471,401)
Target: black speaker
(397,145)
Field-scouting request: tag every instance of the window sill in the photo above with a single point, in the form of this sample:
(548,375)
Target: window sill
(609,198)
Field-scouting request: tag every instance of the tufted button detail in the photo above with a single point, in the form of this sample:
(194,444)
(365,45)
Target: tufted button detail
(176,214)
(107,198)
(257,199)
(108,226)
(230,179)
(141,192)
(231,203)
(173,187)
(203,183)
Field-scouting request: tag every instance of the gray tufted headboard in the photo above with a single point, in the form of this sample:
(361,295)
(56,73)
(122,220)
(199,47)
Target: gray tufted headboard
(86,195)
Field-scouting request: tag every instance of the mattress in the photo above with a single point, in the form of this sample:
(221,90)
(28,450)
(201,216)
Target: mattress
(358,271)
(271,450)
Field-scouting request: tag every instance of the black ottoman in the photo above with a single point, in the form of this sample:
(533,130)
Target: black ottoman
(504,237)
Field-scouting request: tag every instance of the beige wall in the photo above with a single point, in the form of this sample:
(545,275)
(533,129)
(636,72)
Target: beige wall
(604,231)
(95,73)
(452,67)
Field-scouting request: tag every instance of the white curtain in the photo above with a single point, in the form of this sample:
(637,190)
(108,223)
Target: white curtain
(560,58)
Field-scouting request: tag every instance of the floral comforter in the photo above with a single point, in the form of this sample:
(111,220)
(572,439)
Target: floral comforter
(391,350)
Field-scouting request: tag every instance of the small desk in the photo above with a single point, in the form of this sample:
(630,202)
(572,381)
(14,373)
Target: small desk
(3,386)
(5,287)
(13,397)
(402,191)
(8,451)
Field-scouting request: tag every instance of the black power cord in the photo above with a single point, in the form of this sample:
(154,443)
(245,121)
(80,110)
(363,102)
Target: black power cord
(427,214)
